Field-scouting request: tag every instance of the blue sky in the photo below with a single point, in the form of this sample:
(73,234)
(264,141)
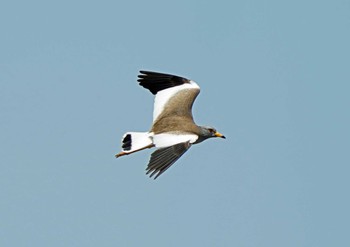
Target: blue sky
(275,80)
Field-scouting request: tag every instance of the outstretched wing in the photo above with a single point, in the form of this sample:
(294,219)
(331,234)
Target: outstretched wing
(166,87)
(163,158)
(156,82)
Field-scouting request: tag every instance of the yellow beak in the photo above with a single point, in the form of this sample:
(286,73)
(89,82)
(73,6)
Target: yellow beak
(217,134)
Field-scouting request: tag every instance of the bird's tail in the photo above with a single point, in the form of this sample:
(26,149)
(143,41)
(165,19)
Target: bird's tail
(135,141)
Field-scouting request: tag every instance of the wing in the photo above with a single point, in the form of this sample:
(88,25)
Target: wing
(166,87)
(163,158)
(156,82)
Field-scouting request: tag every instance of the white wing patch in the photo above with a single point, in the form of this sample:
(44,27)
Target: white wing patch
(167,139)
(162,97)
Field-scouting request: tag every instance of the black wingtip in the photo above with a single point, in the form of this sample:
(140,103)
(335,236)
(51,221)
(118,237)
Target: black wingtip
(152,172)
(155,81)
(163,158)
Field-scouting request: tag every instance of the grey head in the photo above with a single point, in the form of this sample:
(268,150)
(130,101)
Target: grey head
(206,132)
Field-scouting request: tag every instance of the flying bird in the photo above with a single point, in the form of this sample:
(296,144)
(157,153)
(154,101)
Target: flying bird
(173,130)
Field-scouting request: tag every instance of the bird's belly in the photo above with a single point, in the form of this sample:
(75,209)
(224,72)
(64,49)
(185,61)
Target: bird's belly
(170,139)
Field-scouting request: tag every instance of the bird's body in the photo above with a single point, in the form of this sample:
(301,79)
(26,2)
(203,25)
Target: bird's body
(173,130)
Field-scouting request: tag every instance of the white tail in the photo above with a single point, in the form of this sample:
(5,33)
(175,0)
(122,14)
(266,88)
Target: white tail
(135,141)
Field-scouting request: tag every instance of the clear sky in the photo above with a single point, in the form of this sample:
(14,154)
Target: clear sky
(275,79)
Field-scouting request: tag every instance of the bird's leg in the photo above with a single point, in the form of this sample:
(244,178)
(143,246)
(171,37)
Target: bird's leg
(122,153)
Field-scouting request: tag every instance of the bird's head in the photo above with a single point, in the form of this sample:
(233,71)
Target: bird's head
(208,132)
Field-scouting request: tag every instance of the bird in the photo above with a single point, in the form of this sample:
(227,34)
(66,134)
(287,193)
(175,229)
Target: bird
(173,130)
